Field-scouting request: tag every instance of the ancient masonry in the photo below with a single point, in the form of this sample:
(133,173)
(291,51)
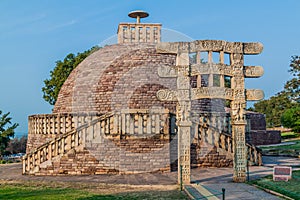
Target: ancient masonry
(146,106)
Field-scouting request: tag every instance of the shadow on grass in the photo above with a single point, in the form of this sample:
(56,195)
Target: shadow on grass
(32,193)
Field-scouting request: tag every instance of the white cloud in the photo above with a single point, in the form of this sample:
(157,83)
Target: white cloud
(62,25)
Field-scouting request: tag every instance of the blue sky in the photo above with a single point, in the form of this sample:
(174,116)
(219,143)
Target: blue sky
(36,33)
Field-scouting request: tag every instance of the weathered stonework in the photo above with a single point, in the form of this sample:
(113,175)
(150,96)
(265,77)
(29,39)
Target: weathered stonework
(139,33)
(257,134)
(123,158)
(139,107)
(115,79)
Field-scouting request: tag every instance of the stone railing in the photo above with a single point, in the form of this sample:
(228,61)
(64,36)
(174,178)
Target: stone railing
(254,155)
(67,141)
(141,122)
(57,123)
(132,32)
(212,130)
(225,142)
(126,124)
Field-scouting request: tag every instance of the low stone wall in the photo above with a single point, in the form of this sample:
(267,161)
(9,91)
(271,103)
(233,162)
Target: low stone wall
(257,120)
(131,156)
(37,140)
(209,156)
(264,137)
(113,157)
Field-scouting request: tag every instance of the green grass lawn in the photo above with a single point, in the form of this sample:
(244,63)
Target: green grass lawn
(26,191)
(295,146)
(290,188)
(289,135)
(283,150)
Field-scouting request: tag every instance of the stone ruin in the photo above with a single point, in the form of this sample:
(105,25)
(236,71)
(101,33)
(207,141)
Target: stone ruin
(143,106)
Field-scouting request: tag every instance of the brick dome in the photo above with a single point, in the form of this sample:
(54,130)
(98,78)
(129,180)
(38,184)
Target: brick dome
(120,76)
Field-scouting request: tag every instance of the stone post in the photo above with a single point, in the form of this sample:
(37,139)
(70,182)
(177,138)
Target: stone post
(183,117)
(238,120)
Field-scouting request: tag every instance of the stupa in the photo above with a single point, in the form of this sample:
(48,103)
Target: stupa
(110,118)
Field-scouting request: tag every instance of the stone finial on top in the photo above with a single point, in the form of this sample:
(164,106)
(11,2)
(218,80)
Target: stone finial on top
(139,32)
(138,14)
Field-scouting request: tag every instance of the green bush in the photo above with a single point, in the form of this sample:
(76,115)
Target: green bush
(291,119)
(2,162)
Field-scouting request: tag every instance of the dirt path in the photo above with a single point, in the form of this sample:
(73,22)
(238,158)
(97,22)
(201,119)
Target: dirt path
(14,172)
(102,184)
(108,184)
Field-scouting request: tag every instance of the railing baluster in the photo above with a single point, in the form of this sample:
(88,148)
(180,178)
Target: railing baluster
(131,124)
(149,124)
(28,163)
(127,122)
(157,124)
(24,165)
(107,124)
(76,141)
(62,146)
(49,156)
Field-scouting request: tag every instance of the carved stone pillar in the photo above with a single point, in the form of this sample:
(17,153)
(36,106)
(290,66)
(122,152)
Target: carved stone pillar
(238,120)
(183,118)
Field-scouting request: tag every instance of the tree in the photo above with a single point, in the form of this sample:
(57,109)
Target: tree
(273,108)
(7,130)
(17,145)
(61,72)
(284,100)
(292,87)
(291,119)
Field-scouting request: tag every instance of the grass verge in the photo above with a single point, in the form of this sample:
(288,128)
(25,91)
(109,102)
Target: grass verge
(283,150)
(58,191)
(289,135)
(295,146)
(290,188)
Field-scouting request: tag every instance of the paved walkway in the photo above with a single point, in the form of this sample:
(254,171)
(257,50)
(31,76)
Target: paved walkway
(213,178)
(219,178)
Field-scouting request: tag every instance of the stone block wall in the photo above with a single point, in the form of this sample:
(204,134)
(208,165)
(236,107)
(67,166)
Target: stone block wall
(117,77)
(36,140)
(112,157)
(122,76)
(257,120)
(257,137)
(144,155)
(257,134)
(209,156)
(74,162)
